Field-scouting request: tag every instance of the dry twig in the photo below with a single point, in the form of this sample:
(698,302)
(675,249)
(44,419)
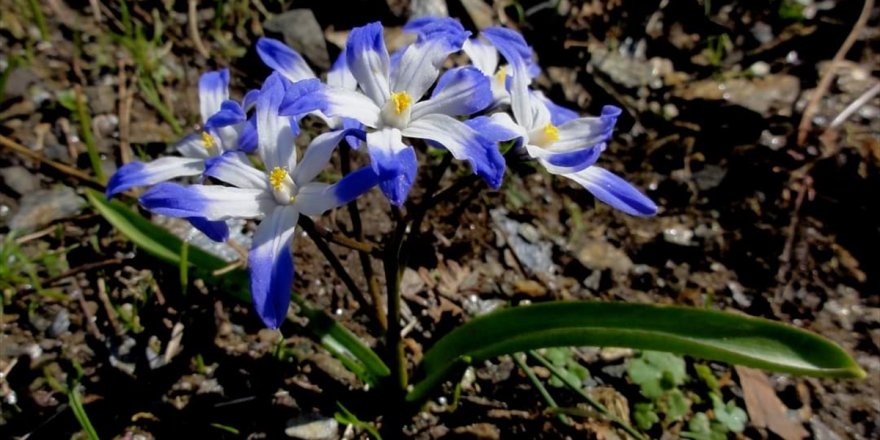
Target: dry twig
(812,106)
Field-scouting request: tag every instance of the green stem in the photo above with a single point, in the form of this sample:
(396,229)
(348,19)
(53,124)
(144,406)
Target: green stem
(85,123)
(576,387)
(393,339)
(519,359)
(39,19)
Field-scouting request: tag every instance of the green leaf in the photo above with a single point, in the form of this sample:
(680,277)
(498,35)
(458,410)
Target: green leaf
(700,428)
(160,243)
(708,334)
(346,417)
(677,405)
(731,416)
(656,372)
(645,416)
(704,372)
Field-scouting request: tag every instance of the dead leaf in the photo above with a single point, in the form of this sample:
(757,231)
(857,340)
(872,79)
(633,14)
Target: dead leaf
(764,407)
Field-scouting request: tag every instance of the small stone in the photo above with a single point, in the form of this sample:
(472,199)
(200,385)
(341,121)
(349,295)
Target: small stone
(679,235)
(428,8)
(482,431)
(599,255)
(530,288)
(313,428)
(760,68)
(610,354)
(302,32)
(60,324)
(18,82)
(39,208)
(20,180)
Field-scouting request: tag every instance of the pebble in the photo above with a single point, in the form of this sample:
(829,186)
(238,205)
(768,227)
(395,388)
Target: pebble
(535,255)
(39,208)
(599,255)
(313,428)
(679,235)
(20,180)
(302,32)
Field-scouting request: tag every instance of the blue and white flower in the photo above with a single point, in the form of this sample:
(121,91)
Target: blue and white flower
(291,65)
(563,143)
(223,125)
(278,195)
(390,103)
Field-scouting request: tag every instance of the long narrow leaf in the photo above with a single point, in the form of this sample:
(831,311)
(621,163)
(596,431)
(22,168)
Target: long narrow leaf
(701,333)
(162,244)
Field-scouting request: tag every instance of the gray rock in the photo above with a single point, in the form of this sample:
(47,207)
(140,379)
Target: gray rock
(20,179)
(428,8)
(709,177)
(313,428)
(18,82)
(302,32)
(60,324)
(535,256)
(39,208)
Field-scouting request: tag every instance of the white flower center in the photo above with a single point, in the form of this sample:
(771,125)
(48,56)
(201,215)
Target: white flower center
(283,187)
(397,111)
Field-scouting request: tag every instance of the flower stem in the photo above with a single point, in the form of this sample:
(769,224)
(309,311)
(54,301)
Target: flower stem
(393,340)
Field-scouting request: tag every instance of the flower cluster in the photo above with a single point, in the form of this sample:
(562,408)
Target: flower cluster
(376,101)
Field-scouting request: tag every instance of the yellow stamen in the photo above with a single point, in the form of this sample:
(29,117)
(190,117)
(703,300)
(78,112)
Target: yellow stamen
(401,101)
(276,177)
(501,75)
(551,132)
(208,140)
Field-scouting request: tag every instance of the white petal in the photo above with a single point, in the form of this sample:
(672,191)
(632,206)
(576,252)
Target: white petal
(613,190)
(193,145)
(460,91)
(235,169)
(367,57)
(276,139)
(212,202)
(317,156)
(483,55)
(317,198)
(463,142)
(134,174)
(340,74)
(213,90)
(420,66)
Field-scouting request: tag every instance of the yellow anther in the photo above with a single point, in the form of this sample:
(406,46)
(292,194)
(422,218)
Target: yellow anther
(401,101)
(277,177)
(208,140)
(551,132)
(501,75)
